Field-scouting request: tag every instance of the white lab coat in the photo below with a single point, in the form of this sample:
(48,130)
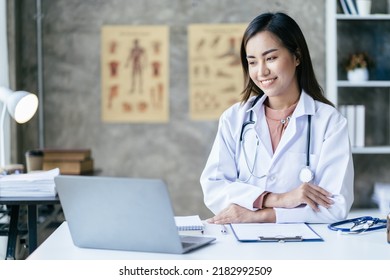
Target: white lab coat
(226,178)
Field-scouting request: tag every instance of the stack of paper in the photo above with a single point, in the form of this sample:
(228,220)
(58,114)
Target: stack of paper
(37,184)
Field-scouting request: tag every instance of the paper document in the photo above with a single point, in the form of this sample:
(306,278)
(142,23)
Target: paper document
(256,232)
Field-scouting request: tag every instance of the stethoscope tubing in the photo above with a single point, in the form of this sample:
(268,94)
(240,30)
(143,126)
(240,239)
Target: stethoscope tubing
(308,141)
(250,121)
(308,175)
(336,226)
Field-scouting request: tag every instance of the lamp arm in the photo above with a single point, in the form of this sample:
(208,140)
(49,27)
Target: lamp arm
(2,138)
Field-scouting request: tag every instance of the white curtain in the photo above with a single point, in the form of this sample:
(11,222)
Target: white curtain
(4,76)
(4,81)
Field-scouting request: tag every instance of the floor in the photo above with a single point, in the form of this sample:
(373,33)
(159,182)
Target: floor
(49,218)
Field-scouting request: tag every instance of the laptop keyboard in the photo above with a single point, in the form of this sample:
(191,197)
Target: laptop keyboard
(187,241)
(190,242)
(186,244)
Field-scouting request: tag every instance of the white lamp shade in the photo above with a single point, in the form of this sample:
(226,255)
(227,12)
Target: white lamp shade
(22,106)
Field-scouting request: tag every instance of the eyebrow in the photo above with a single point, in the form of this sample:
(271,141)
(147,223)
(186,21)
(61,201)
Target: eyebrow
(264,53)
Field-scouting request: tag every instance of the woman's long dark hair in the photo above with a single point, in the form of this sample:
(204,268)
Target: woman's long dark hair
(291,36)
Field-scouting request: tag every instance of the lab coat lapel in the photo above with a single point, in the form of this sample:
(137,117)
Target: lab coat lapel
(261,128)
(264,136)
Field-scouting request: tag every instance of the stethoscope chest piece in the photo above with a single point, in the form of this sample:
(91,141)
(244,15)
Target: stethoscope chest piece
(306,175)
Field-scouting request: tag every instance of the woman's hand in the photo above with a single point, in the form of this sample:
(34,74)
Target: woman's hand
(237,214)
(306,193)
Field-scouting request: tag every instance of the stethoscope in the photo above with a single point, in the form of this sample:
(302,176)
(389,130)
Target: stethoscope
(305,175)
(361,224)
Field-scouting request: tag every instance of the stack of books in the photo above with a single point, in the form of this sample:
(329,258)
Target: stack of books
(349,7)
(69,161)
(355,115)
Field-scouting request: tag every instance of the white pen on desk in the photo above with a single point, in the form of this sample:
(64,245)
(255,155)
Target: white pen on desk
(223,229)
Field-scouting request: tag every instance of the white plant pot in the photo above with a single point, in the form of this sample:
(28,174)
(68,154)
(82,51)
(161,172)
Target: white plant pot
(363,7)
(358,75)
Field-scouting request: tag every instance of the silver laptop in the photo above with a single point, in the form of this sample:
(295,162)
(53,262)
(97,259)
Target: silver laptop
(122,214)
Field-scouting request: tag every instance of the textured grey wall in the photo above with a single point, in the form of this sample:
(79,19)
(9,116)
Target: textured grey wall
(176,151)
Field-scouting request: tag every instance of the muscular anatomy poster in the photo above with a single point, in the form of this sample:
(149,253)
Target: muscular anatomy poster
(135,74)
(215,74)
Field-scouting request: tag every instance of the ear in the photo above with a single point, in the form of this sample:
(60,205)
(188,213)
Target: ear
(297,57)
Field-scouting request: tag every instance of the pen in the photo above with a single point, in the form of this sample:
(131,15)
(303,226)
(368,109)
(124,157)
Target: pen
(223,229)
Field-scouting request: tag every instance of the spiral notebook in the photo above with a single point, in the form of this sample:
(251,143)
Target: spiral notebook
(186,223)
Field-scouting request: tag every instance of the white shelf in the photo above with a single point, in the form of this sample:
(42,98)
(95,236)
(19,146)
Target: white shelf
(344,83)
(371,150)
(358,17)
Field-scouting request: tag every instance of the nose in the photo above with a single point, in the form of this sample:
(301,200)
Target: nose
(263,70)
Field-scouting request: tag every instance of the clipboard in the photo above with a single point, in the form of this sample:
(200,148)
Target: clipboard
(270,232)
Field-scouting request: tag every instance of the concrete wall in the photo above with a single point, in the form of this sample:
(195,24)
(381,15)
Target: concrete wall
(176,151)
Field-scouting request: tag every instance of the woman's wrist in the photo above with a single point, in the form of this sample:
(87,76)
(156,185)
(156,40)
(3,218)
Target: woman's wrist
(267,215)
(271,200)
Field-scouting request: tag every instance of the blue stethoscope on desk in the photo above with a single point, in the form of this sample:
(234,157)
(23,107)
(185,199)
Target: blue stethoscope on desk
(305,175)
(358,225)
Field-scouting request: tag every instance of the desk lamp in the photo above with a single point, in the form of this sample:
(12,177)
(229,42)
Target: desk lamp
(21,106)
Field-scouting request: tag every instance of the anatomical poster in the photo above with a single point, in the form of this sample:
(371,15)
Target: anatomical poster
(215,75)
(135,74)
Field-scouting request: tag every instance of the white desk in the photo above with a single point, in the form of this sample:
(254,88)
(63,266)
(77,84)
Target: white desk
(368,246)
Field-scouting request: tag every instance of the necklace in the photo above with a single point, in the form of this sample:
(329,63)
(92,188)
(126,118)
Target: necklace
(286,120)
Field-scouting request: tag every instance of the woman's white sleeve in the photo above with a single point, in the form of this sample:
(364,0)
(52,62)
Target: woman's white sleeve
(219,177)
(334,173)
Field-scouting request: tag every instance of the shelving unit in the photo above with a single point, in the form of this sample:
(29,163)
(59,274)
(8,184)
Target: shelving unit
(346,34)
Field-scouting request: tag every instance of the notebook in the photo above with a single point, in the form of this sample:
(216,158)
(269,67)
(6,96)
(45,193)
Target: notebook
(122,214)
(189,223)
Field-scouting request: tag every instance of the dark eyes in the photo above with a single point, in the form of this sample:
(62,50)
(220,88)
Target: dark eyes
(268,59)
(271,58)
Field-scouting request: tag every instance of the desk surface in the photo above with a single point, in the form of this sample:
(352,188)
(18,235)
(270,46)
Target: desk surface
(370,245)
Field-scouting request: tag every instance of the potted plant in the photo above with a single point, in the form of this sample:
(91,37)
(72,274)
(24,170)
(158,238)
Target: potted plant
(357,67)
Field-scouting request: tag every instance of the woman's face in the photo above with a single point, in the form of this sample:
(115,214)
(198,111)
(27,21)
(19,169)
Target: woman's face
(272,67)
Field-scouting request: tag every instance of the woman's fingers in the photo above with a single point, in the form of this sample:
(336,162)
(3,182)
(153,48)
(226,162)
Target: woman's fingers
(320,190)
(318,196)
(233,214)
